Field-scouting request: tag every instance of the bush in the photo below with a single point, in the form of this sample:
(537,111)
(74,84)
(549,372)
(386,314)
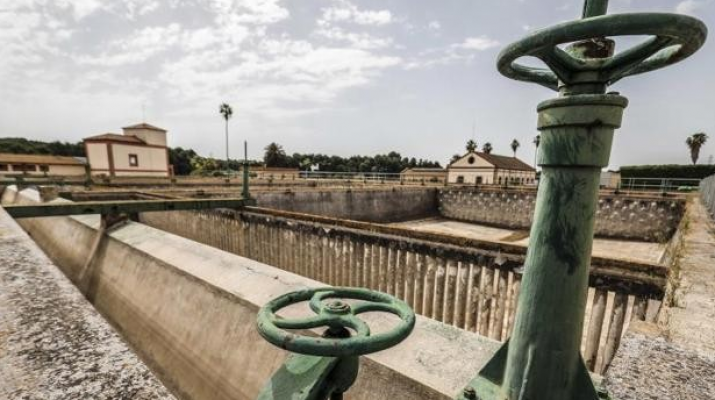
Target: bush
(667,171)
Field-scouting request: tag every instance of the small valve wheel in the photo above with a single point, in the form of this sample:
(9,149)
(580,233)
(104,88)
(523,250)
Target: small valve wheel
(674,38)
(339,317)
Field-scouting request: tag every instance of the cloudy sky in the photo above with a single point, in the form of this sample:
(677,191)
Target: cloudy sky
(333,76)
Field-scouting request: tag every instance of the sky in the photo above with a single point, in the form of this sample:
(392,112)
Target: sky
(341,77)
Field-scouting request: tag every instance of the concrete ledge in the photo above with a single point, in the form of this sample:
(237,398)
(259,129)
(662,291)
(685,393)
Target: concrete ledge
(647,366)
(189,309)
(53,343)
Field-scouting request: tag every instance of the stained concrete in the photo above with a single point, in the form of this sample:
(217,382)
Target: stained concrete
(652,219)
(53,343)
(190,309)
(360,204)
(608,248)
(648,366)
(690,320)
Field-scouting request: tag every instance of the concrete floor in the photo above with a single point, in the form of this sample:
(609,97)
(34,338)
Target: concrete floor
(610,248)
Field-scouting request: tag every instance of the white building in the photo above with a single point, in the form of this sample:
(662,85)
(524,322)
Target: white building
(490,169)
(140,151)
(41,165)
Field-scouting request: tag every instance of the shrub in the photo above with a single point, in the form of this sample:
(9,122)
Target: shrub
(667,171)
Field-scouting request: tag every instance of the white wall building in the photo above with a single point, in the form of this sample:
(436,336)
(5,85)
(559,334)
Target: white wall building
(41,165)
(140,151)
(490,169)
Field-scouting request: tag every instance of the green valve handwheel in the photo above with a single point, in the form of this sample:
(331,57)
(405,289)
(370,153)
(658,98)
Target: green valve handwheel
(346,334)
(674,37)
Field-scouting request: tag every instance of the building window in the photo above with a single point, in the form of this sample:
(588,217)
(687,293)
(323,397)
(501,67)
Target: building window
(44,168)
(133,160)
(460,179)
(4,167)
(479,180)
(24,167)
(471,160)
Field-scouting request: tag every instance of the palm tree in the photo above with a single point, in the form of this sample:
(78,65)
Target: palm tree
(514,146)
(487,148)
(695,142)
(537,142)
(471,145)
(226,111)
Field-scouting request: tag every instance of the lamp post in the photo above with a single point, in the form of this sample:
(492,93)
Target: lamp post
(541,360)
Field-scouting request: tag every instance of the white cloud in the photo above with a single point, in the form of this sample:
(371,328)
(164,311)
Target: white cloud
(136,48)
(477,43)
(348,12)
(80,8)
(690,6)
(360,40)
(434,25)
(464,51)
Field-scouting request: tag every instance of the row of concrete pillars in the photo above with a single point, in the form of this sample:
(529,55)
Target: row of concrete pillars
(472,293)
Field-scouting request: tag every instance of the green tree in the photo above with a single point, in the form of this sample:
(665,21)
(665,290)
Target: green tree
(454,158)
(695,142)
(515,146)
(275,156)
(226,112)
(181,160)
(471,145)
(487,148)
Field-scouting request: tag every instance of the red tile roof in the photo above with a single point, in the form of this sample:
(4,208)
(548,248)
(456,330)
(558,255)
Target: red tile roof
(114,137)
(8,158)
(144,125)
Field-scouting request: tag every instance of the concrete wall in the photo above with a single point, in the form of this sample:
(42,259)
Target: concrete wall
(649,219)
(707,192)
(152,161)
(470,284)
(54,345)
(373,205)
(189,310)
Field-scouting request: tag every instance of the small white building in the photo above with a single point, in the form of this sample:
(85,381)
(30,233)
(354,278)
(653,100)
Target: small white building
(610,179)
(140,151)
(41,165)
(477,168)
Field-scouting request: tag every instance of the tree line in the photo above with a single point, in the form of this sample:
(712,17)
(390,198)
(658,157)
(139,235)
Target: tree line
(392,162)
(188,162)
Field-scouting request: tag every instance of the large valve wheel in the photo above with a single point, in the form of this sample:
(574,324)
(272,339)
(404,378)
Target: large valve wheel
(337,316)
(675,37)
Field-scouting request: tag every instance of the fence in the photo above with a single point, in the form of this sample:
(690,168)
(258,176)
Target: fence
(662,185)
(471,284)
(707,191)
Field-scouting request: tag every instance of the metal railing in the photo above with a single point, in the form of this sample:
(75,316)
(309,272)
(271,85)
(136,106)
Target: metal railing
(659,184)
(707,191)
(371,176)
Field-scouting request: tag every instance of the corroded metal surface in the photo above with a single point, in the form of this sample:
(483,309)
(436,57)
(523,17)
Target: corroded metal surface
(327,366)
(541,360)
(335,315)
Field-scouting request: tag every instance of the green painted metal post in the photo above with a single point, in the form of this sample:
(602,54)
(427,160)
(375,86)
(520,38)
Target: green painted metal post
(542,358)
(544,348)
(245,193)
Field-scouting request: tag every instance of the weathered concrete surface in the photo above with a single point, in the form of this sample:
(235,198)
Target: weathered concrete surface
(53,343)
(650,367)
(617,216)
(690,320)
(648,252)
(371,205)
(190,309)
